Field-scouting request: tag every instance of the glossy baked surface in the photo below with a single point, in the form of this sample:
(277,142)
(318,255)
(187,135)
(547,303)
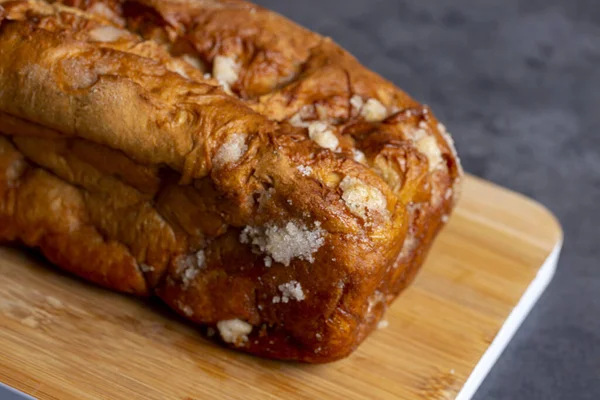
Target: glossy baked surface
(248,172)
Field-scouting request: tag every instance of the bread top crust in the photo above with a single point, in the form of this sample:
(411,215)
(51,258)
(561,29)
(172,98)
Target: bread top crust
(305,167)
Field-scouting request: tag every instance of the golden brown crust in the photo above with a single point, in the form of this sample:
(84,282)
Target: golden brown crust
(219,156)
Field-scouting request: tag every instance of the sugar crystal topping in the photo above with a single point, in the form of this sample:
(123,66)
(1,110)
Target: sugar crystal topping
(285,243)
(291,291)
(232,150)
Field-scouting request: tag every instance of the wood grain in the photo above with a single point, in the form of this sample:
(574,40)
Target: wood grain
(61,338)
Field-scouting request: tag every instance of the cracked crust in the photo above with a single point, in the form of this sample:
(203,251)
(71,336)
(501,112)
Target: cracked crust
(284,186)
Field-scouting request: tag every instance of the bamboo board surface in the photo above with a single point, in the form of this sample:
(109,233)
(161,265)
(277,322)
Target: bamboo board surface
(61,338)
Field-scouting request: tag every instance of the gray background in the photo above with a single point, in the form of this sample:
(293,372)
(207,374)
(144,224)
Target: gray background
(517,82)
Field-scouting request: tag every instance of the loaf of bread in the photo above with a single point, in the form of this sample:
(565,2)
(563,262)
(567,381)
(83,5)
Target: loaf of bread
(248,172)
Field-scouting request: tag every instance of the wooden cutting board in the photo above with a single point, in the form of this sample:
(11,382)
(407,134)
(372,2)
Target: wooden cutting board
(61,338)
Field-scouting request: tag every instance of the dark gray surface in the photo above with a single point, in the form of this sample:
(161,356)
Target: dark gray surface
(8,393)
(517,82)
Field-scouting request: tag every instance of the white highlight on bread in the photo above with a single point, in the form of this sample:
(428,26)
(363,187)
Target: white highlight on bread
(177,66)
(374,300)
(322,135)
(234,331)
(373,111)
(322,112)
(103,10)
(226,71)
(428,146)
(232,150)
(410,244)
(146,268)
(450,141)
(107,34)
(305,112)
(194,61)
(357,102)
(442,128)
(359,156)
(319,131)
(283,244)
(361,198)
(297,121)
(200,258)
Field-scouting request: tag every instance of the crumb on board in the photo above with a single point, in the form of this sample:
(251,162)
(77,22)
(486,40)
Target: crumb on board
(30,322)
(54,302)
(383,324)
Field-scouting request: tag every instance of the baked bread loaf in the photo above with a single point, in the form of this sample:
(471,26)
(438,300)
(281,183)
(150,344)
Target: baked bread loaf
(250,173)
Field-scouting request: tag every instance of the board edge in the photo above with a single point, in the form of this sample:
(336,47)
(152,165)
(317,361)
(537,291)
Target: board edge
(512,324)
